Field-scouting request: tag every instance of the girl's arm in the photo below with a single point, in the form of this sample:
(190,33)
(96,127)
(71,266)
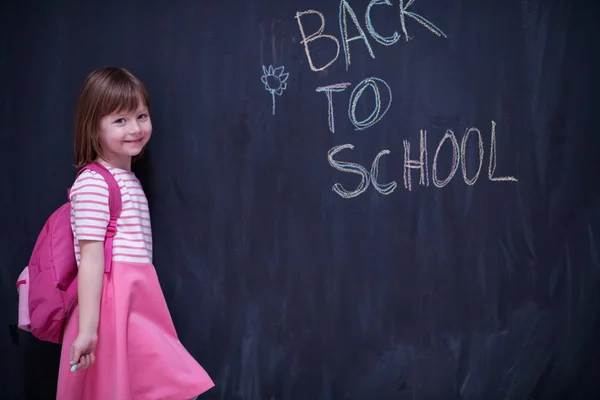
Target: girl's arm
(89,285)
(91,215)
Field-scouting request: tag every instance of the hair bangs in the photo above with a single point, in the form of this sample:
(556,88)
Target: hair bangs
(122,95)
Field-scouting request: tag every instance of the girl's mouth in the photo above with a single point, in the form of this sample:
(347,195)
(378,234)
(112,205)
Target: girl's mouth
(134,141)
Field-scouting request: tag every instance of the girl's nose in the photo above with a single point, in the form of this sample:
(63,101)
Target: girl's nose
(134,127)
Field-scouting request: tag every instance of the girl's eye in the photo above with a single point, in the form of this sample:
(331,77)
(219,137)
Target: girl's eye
(143,116)
(120,121)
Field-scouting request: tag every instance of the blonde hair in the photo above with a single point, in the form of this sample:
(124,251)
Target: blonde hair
(104,91)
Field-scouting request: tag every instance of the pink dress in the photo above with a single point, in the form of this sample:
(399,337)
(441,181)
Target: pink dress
(138,356)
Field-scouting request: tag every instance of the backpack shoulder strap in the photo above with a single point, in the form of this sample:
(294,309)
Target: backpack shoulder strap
(114,191)
(115,205)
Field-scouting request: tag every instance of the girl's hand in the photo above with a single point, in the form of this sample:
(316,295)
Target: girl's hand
(82,351)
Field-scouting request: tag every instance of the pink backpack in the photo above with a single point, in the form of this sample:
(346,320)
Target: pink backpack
(47,287)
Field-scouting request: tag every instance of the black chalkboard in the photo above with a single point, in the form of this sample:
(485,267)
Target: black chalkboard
(350,199)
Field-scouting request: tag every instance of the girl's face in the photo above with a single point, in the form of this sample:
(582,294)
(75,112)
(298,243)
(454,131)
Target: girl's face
(124,135)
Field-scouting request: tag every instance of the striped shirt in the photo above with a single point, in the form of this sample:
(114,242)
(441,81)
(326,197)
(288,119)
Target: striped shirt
(90,215)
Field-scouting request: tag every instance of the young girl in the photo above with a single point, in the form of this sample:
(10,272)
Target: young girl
(120,339)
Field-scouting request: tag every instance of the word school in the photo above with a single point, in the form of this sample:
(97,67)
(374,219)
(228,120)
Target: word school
(458,158)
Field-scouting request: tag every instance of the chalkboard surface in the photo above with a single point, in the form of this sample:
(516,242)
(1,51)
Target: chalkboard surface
(387,199)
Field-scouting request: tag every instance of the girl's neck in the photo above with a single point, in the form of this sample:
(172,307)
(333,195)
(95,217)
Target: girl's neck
(123,163)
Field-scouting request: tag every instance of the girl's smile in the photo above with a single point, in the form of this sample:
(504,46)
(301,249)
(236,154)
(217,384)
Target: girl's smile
(136,141)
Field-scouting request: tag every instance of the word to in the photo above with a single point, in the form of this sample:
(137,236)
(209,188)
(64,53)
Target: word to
(378,110)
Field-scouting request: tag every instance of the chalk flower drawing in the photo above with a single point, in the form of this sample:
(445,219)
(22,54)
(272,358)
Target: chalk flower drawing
(275,81)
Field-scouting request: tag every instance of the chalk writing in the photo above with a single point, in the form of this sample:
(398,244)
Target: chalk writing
(345,11)
(328,90)
(382,103)
(448,135)
(463,155)
(459,155)
(420,164)
(351,168)
(345,8)
(383,189)
(492,167)
(403,13)
(314,36)
(377,113)
(386,41)
(275,81)
(358,169)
